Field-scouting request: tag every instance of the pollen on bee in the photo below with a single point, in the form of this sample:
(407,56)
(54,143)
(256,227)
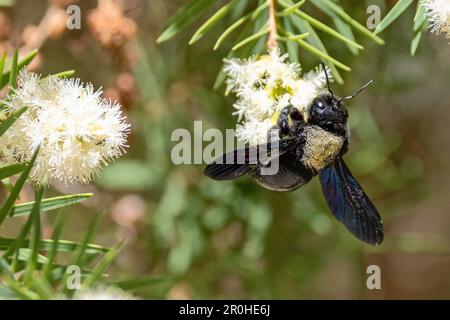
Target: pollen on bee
(321,147)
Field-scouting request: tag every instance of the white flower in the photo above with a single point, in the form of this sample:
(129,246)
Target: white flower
(78,132)
(263,87)
(104,293)
(254,131)
(438,14)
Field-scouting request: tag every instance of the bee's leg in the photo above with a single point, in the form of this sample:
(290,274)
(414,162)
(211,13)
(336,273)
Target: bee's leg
(283,120)
(295,114)
(344,148)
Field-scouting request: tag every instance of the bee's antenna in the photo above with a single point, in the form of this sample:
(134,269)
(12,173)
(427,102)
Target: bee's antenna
(358,92)
(328,80)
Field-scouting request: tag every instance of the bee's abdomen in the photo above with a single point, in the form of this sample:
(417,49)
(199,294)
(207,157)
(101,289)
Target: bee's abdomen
(321,147)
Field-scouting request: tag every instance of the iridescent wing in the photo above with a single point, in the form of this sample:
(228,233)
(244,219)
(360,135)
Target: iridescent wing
(349,203)
(291,174)
(235,164)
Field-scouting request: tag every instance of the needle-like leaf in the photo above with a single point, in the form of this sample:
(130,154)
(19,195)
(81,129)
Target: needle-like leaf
(13,72)
(323,27)
(103,265)
(11,119)
(184,17)
(420,22)
(9,203)
(222,12)
(35,235)
(50,203)
(2,66)
(265,30)
(8,171)
(22,63)
(396,10)
(239,22)
(57,231)
(355,24)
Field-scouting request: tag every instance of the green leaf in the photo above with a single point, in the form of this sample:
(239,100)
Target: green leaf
(415,42)
(103,265)
(420,22)
(5,269)
(316,45)
(322,55)
(57,231)
(355,24)
(22,63)
(13,72)
(420,18)
(8,171)
(47,245)
(42,287)
(26,254)
(341,26)
(184,17)
(228,31)
(35,235)
(221,76)
(260,45)
(239,22)
(58,273)
(290,9)
(87,238)
(345,29)
(2,66)
(395,12)
(62,74)
(17,244)
(11,119)
(79,253)
(7,184)
(50,203)
(319,25)
(239,8)
(292,46)
(138,283)
(265,30)
(222,12)
(9,203)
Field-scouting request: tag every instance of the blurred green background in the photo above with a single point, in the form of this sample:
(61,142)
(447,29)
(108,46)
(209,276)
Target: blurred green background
(190,237)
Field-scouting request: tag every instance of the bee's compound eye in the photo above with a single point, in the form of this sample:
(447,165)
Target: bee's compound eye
(320,105)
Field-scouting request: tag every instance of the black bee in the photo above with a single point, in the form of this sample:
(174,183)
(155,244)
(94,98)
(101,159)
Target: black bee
(308,144)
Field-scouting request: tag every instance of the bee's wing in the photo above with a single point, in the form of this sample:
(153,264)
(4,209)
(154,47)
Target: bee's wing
(349,203)
(235,164)
(291,174)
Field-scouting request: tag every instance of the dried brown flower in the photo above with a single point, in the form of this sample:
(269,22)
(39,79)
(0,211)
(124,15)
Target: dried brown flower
(56,23)
(109,25)
(5,26)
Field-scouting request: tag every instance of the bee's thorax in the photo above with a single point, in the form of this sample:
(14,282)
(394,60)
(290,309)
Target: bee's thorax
(320,147)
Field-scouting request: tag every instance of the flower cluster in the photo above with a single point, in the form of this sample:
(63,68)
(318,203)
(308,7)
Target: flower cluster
(104,293)
(438,14)
(77,131)
(264,86)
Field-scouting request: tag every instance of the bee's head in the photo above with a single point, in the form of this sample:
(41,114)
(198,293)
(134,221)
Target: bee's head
(329,113)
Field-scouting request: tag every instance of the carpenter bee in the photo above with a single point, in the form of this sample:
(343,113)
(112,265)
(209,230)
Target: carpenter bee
(309,143)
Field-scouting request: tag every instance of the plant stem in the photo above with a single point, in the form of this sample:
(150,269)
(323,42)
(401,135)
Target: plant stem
(273,34)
